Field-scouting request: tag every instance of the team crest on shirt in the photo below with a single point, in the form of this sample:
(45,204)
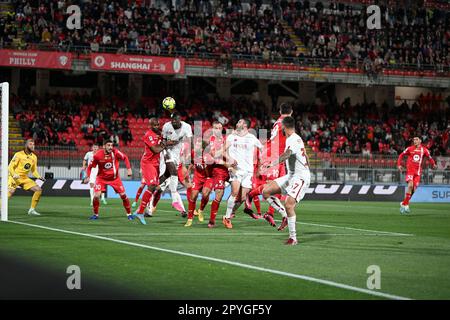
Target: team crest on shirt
(27,166)
(108,165)
(416,158)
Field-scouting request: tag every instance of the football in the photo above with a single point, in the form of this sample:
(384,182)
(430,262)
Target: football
(169,103)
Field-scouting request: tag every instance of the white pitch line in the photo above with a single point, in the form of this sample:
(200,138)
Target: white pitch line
(341,227)
(229,262)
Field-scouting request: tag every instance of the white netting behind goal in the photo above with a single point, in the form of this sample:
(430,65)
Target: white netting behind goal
(4,102)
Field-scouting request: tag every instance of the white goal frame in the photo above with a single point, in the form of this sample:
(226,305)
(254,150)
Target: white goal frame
(5,147)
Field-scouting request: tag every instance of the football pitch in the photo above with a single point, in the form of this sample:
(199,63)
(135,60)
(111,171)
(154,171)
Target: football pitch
(338,241)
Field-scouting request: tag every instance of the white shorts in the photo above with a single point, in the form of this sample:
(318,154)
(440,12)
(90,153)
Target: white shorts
(169,156)
(294,186)
(244,177)
(93,176)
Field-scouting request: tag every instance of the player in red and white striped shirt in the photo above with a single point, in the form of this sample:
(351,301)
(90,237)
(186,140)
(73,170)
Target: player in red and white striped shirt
(415,154)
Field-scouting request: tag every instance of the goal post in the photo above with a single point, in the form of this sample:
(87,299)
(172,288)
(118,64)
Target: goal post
(4,96)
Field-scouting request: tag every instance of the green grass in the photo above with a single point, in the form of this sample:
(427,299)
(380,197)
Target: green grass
(414,263)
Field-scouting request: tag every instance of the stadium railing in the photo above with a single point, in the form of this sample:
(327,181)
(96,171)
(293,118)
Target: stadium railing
(206,59)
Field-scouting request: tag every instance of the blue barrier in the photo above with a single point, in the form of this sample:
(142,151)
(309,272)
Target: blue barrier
(437,193)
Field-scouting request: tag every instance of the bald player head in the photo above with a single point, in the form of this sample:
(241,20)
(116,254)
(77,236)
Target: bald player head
(154,125)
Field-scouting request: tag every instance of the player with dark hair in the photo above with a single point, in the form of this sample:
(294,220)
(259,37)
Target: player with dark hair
(294,184)
(202,182)
(22,163)
(274,148)
(415,154)
(219,171)
(240,151)
(178,132)
(107,161)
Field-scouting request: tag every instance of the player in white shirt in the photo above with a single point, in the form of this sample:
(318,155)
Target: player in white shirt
(180,131)
(294,184)
(89,156)
(240,149)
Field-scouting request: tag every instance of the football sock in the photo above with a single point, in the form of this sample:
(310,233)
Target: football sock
(103,196)
(95,205)
(407,198)
(126,203)
(277,205)
(191,208)
(177,198)
(173,184)
(189,195)
(257,204)
(203,203)
(271,210)
(291,226)
(156,197)
(91,191)
(214,208)
(138,193)
(35,199)
(230,206)
(145,199)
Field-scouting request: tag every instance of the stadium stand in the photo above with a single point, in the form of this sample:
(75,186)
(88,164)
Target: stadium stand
(329,34)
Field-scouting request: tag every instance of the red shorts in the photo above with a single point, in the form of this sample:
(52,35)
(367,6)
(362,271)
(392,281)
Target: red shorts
(100,185)
(150,174)
(201,181)
(183,173)
(220,176)
(414,177)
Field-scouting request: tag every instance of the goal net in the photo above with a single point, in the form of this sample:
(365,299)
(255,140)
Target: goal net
(4,101)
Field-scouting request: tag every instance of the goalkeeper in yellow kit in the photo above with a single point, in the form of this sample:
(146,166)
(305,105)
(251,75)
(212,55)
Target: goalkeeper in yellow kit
(20,166)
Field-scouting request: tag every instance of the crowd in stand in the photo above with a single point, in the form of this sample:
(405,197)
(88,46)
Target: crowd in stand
(369,128)
(344,128)
(410,33)
(123,26)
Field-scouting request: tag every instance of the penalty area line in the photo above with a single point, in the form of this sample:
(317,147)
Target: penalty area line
(222,261)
